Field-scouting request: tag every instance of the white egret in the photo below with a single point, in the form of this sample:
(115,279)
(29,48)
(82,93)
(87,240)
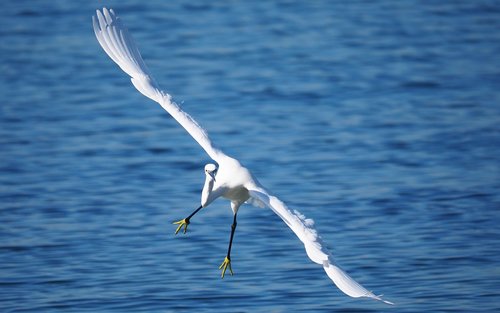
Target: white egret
(228,179)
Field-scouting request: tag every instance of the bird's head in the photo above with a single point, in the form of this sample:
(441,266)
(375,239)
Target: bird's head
(211,170)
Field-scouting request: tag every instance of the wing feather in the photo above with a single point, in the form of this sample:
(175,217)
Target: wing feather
(314,245)
(118,44)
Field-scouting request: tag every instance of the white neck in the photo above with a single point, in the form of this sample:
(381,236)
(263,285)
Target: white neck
(207,196)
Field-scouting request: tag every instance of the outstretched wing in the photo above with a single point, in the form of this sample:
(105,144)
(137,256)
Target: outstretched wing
(315,248)
(121,48)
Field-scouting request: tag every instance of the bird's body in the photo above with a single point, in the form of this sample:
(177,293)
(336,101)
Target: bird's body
(232,182)
(228,179)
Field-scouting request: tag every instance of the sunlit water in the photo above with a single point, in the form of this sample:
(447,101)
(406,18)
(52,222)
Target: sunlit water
(378,119)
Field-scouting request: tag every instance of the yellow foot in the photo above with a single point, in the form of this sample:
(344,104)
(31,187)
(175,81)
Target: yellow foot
(224,265)
(182,223)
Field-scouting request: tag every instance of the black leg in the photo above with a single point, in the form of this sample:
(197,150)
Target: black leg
(195,211)
(185,222)
(227,259)
(233,229)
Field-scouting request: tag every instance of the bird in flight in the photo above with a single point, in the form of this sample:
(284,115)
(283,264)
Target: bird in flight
(226,178)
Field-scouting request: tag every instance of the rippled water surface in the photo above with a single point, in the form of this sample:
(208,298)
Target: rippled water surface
(378,119)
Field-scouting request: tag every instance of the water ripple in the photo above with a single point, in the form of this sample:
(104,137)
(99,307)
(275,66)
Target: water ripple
(380,126)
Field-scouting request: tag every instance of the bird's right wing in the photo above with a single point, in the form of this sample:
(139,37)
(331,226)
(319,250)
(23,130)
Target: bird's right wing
(315,248)
(121,48)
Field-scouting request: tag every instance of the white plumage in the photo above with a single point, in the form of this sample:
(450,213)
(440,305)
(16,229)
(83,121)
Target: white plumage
(229,179)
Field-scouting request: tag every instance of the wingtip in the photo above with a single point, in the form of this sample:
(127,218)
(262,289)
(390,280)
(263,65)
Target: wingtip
(379,298)
(101,11)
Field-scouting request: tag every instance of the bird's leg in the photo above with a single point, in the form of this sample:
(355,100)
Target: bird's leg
(227,259)
(185,222)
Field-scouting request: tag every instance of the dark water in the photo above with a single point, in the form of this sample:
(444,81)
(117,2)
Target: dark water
(378,119)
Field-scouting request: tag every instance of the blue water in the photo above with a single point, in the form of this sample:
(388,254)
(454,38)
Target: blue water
(378,119)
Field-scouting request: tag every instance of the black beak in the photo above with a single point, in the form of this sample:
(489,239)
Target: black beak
(212,174)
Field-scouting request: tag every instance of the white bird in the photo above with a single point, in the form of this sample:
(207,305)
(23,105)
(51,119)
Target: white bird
(229,179)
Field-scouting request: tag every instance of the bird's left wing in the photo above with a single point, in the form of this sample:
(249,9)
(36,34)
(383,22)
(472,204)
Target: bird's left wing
(315,248)
(121,48)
